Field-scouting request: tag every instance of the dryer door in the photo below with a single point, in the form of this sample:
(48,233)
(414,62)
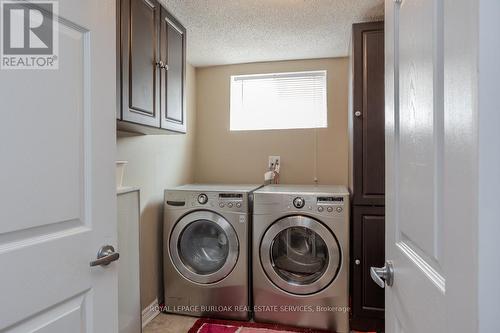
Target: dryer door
(204,247)
(300,255)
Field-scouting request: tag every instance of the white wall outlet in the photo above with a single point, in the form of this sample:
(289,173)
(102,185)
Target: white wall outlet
(273,160)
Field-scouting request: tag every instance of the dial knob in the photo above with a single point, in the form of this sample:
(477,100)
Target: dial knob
(299,202)
(202,199)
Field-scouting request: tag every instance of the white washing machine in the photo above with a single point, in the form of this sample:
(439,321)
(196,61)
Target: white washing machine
(205,246)
(301,256)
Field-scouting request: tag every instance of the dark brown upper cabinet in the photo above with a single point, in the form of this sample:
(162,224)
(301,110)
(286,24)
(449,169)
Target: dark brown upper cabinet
(173,50)
(152,69)
(368,114)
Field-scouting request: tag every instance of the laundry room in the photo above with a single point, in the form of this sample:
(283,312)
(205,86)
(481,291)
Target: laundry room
(248,109)
(249,166)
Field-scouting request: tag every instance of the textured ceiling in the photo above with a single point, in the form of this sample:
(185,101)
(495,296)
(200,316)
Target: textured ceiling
(241,31)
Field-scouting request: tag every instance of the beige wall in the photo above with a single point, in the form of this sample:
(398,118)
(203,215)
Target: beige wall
(241,157)
(155,163)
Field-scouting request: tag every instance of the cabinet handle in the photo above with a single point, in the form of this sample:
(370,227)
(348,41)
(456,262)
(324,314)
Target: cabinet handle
(162,65)
(358,113)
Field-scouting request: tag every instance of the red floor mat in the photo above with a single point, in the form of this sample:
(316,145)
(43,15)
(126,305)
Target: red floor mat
(205,325)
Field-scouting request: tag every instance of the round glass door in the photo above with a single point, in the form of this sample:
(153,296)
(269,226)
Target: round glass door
(204,247)
(300,255)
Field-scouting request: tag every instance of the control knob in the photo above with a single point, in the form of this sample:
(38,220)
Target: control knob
(299,202)
(202,199)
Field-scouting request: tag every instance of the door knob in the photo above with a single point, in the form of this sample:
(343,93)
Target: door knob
(358,113)
(383,275)
(105,256)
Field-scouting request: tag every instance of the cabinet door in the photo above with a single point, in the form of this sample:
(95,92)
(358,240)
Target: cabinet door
(368,114)
(139,52)
(368,237)
(173,53)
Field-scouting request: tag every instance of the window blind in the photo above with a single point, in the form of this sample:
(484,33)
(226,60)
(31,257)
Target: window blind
(278,101)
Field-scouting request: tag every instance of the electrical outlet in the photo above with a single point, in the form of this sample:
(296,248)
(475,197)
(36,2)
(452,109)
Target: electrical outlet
(273,160)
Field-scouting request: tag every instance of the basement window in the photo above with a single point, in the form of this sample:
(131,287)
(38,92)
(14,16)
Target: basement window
(278,101)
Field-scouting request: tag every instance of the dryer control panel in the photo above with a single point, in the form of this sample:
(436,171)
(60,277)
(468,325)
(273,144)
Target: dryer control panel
(328,205)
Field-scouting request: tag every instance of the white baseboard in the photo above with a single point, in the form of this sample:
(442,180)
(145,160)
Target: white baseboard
(150,312)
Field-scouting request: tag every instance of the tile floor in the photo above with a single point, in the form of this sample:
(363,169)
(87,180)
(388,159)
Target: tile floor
(169,323)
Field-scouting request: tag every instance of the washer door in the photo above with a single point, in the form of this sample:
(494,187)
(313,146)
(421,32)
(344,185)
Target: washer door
(204,247)
(300,255)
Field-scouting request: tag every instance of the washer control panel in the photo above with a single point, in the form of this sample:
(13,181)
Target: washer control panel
(235,202)
(324,205)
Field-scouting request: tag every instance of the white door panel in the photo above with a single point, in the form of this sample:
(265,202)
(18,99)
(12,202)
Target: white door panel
(419,137)
(414,67)
(421,121)
(418,217)
(431,195)
(48,128)
(57,139)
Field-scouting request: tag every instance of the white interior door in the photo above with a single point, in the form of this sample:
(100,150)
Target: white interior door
(58,203)
(431,184)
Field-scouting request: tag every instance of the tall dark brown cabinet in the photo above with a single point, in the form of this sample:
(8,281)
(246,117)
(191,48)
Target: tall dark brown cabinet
(367,174)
